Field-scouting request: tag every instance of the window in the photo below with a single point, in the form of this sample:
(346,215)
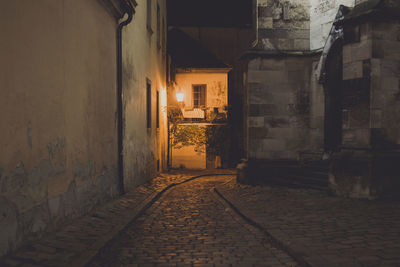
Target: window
(148,22)
(158,27)
(158,110)
(148,103)
(199,95)
(163,37)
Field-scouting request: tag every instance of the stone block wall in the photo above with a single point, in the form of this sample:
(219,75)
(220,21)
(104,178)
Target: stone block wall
(371,86)
(284,25)
(284,108)
(356,87)
(368,164)
(385,84)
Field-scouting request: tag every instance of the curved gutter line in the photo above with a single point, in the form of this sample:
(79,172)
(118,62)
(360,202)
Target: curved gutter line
(276,242)
(127,8)
(154,197)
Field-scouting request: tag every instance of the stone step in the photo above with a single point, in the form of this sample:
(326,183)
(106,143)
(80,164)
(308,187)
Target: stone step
(310,175)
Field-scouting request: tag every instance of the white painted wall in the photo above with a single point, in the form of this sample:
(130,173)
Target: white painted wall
(142,60)
(188,157)
(217,87)
(322,14)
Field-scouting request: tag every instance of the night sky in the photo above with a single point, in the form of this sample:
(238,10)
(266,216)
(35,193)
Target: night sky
(214,13)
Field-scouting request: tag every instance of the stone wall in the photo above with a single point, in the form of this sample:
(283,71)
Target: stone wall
(356,89)
(368,164)
(385,84)
(284,25)
(58,137)
(145,149)
(285,108)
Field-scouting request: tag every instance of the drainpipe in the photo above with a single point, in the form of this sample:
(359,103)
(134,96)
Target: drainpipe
(128,9)
(255,23)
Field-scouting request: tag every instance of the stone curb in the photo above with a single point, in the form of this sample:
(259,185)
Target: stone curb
(95,249)
(277,242)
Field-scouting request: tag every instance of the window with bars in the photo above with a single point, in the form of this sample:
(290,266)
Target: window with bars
(199,95)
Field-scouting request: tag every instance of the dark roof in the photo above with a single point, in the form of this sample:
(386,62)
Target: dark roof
(189,53)
(380,9)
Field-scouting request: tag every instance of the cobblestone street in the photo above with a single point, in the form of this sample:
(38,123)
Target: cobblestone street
(200,219)
(190,226)
(325,230)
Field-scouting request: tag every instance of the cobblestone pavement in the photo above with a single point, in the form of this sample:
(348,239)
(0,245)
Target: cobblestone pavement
(190,226)
(325,230)
(75,243)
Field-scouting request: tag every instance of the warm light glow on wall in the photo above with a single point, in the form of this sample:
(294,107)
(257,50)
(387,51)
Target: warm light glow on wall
(163,97)
(179,97)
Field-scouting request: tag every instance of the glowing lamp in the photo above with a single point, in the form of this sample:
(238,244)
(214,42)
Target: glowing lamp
(179,97)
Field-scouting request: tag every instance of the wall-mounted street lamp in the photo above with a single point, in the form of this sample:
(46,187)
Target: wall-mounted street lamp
(179,97)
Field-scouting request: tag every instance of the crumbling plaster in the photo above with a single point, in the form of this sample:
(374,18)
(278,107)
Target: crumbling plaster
(144,61)
(58,83)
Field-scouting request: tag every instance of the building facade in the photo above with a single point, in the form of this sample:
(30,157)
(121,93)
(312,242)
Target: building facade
(61,121)
(333,119)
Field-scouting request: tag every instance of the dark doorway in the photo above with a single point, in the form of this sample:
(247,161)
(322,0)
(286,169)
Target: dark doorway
(333,98)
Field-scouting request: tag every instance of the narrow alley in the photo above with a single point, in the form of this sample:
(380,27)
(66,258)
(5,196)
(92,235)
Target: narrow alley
(200,133)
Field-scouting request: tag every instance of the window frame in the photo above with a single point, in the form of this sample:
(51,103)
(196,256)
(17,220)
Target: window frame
(200,86)
(158,109)
(148,103)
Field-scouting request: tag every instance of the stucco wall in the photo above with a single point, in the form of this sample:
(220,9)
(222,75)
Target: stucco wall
(322,14)
(58,140)
(188,158)
(143,60)
(285,108)
(217,88)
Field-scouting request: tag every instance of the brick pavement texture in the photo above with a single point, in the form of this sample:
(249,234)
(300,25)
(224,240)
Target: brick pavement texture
(190,226)
(325,230)
(80,239)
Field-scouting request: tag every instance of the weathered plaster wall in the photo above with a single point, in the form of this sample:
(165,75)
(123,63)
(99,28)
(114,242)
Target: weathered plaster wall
(322,14)
(188,158)
(217,88)
(285,108)
(143,60)
(284,25)
(58,155)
